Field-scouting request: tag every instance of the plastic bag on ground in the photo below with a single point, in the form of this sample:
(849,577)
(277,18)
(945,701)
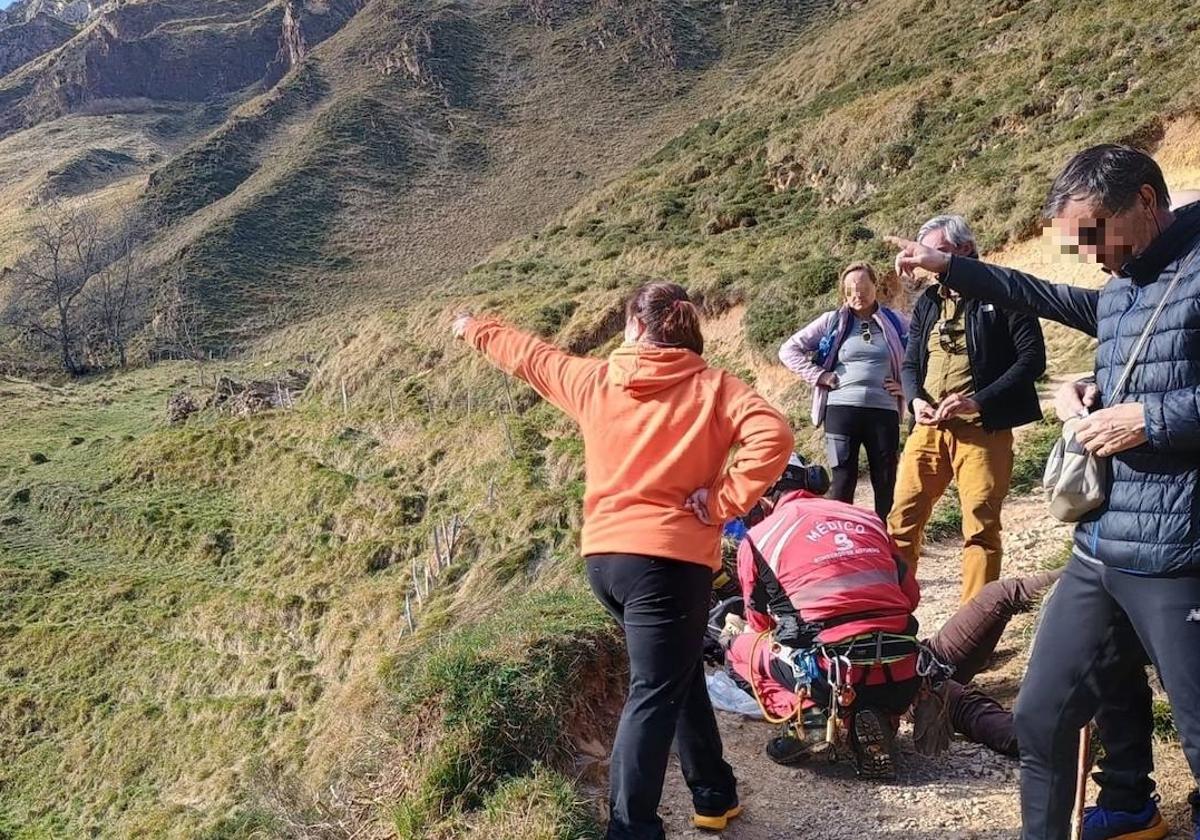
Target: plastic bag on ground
(727,697)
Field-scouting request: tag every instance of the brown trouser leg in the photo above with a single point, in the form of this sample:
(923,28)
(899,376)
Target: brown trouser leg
(983,463)
(968,639)
(925,473)
(981,719)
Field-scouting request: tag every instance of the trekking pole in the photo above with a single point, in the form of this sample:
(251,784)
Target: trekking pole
(1081,777)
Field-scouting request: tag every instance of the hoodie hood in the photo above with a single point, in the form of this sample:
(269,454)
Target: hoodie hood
(642,371)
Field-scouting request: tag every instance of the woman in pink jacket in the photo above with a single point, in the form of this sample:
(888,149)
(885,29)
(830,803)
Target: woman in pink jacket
(851,357)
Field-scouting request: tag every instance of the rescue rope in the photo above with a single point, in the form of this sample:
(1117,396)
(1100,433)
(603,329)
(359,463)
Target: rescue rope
(801,694)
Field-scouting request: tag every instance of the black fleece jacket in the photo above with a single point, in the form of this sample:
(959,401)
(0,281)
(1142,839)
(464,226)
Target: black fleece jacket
(1007,354)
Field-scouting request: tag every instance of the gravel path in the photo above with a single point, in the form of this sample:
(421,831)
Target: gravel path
(968,792)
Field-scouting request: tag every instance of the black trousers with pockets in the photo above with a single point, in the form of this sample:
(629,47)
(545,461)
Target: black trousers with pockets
(848,429)
(1089,649)
(662,605)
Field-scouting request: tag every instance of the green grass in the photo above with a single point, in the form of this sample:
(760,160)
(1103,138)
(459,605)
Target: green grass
(528,660)
(946,521)
(214,167)
(912,127)
(1164,722)
(217,586)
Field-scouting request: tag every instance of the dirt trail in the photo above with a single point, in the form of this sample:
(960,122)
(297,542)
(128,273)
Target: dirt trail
(968,792)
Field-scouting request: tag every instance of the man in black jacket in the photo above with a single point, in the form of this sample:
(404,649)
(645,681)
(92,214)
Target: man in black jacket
(969,376)
(1133,581)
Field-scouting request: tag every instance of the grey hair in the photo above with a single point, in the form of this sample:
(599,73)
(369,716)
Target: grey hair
(955,228)
(1109,175)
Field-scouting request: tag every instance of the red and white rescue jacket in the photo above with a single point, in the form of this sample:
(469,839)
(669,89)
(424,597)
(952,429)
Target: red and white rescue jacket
(836,563)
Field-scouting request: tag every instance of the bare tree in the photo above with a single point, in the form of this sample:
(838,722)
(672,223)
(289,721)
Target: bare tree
(118,291)
(46,284)
(177,321)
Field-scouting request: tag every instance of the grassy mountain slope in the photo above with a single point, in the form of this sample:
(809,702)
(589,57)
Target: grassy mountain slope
(421,136)
(205,629)
(919,108)
(399,149)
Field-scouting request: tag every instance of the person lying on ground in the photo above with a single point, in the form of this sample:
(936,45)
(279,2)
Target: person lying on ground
(1133,580)
(966,643)
(672,449)
(851,357)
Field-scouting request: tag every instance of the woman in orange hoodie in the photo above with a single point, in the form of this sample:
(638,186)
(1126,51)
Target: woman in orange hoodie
(672,450)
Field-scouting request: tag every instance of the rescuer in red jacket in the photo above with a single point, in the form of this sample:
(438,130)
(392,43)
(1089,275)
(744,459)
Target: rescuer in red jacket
(829,608)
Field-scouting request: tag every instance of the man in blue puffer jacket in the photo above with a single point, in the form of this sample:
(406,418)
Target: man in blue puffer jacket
(1133,581)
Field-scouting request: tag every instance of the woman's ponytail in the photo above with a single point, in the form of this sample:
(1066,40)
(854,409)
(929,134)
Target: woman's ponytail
(669,316)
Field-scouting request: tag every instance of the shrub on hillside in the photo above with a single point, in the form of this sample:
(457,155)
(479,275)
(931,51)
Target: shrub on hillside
(946,521)
(506,696)
(787,304)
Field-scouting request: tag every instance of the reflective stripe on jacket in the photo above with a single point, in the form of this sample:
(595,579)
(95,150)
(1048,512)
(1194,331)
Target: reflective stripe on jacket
(835,562)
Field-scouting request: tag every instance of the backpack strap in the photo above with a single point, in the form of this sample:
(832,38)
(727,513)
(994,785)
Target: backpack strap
(1118,393)
(892,316)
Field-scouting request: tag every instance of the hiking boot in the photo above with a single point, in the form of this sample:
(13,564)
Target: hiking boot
(930,713)
(715,821)
(1104,824)
(871,739)
(789,750)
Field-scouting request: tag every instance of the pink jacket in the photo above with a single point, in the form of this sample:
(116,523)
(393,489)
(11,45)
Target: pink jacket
(796,353)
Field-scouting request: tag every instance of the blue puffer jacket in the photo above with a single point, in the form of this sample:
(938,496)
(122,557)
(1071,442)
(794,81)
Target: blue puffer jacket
(1150,523)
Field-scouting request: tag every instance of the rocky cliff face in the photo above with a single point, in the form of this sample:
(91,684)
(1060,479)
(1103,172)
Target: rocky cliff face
(173,50)
(22,42)
(73,12)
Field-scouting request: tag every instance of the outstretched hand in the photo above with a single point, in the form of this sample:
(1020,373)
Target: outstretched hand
(914,255)
(697,503)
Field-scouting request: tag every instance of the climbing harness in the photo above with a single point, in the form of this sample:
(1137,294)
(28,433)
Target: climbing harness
(794,642)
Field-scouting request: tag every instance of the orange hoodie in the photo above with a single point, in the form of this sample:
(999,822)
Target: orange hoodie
(657,424)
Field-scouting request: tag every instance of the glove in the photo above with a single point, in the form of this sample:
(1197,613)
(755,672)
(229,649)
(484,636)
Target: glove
(735,626)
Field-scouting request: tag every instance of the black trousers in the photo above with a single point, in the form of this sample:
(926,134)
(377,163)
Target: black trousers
(847,429)
(1090,648)
(662,605)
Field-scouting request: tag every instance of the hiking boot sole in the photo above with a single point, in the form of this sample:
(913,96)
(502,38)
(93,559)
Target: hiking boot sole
(718,823)
(872,747)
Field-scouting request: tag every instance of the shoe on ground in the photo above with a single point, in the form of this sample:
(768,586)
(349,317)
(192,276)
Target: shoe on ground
(1104,824)
(871,739)
(716,821)
(790,747)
